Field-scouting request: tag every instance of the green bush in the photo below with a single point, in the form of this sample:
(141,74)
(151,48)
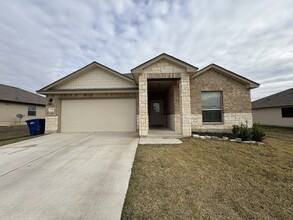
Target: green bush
(258,133)
(242,132)
(235,130)
(255,133)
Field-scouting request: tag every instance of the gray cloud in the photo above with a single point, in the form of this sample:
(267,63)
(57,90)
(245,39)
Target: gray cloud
(42,41)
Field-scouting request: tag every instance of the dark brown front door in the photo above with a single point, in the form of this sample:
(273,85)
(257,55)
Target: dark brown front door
(157,117)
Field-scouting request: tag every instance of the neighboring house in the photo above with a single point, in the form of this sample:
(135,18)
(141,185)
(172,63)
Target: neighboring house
(15,101)
(276,109)
(162,92)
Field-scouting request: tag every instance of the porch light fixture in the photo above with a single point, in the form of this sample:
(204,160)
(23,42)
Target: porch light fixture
(50,101)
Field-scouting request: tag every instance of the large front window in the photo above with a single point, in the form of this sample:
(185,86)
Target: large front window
(211,106)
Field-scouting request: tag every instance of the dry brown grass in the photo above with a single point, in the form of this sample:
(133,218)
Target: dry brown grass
(206,179)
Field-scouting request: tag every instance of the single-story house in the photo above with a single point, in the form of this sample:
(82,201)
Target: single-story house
(162,92)
(274,110)
(15,101)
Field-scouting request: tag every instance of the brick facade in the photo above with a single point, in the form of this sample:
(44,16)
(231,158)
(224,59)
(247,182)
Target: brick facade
(182,98)
(235,100)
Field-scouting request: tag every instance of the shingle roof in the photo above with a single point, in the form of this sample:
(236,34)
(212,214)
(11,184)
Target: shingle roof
(284,98)
(13,94)
(129,75)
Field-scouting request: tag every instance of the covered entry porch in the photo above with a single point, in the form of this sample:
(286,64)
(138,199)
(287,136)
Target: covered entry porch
(163,105)
(164,94)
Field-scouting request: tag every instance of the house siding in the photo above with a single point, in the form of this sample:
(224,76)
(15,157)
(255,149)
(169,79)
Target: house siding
(96,78)
(9,110)
(271,116)
(235,97)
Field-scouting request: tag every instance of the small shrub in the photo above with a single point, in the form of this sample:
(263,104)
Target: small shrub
(243,132)
(258,133)
(235,130)
(255,133)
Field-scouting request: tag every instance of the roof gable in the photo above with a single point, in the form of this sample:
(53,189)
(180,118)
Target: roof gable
(280,99)
(93,76)
(164,66)
(228,73)
(168,58)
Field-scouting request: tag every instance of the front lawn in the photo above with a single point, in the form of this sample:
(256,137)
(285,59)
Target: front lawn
(207,179)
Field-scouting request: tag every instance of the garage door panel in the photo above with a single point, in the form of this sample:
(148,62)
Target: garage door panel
(90,115)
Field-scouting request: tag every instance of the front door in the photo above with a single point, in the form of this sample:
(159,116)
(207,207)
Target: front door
(157,117)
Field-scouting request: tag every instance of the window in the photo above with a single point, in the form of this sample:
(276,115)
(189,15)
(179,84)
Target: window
(211,106)
(32,110)
(287,112)
(156,107)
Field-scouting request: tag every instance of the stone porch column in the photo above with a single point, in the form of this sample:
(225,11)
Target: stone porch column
(185,110)
(143,106)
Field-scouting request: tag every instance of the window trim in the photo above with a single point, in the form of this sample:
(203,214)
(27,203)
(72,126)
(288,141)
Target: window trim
(221,109)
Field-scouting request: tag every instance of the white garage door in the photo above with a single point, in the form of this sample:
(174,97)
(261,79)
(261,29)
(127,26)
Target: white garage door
(90,115)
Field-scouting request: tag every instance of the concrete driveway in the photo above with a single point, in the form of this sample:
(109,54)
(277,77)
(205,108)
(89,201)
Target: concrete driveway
(66,176)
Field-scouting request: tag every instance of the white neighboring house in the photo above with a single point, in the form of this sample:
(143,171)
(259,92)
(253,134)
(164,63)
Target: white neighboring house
(274,110)
(15,101)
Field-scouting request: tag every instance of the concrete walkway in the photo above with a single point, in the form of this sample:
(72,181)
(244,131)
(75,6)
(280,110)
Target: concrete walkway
(161,135)
(66,176)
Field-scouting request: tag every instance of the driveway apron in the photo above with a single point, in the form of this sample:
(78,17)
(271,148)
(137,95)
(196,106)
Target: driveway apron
(66,176)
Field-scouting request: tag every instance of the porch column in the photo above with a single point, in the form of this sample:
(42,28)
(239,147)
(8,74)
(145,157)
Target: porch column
(143,106)
(185,110)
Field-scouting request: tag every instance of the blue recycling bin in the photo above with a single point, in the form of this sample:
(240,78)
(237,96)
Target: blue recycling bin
(36,126)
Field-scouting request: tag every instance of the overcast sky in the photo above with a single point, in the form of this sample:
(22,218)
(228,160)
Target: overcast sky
(42,41)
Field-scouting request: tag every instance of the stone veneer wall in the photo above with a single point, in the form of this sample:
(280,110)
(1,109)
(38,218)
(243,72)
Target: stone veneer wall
(236,101)
(229,119)
(53,111)
(51,124)
(185,110)
(165,70)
